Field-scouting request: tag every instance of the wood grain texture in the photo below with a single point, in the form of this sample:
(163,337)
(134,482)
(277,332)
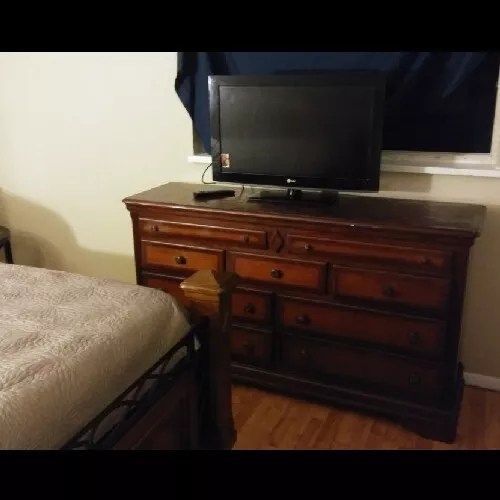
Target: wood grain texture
(177,421)
(367,212)
(397,288)
(406,332)
(279,272)
(210,295)
(357,304)
(422,261)
(268,421)
(252,306)
(180,257)
(187,231)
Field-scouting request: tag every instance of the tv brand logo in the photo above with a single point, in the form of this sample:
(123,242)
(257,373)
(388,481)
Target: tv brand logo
(291,181)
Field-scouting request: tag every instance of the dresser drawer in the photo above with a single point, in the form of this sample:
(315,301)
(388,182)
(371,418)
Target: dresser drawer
(404,289)
(168,285)
(281,272)
(182,258)
(422,261)
(374,368)
(403,332)
(245,237)
(253,346)
(252,306)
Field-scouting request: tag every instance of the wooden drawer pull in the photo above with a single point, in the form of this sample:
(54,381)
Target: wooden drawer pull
(414,379)
(389,291)
(246,238)
(180,260)
(250,309)
(423,260)
(414,338)
(276,273)
(308,247)
(304,354)
(303,319)
(249,347)
(155,228)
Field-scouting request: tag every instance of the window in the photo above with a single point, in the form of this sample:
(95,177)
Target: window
(489,158)
(445,139)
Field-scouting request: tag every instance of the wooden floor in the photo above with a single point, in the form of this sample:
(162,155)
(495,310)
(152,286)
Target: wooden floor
(271,422)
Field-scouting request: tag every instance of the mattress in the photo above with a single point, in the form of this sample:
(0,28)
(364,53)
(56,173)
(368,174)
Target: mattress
(71,344)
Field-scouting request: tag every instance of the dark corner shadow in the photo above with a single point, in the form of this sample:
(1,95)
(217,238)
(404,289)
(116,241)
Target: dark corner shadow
(51,242)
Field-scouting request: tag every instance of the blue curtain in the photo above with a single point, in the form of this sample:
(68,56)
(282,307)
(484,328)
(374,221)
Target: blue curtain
(435,101)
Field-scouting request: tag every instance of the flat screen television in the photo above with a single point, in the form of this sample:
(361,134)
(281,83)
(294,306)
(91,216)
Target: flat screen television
(316,132)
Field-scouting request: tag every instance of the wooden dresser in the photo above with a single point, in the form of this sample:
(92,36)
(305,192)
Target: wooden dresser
(356,304)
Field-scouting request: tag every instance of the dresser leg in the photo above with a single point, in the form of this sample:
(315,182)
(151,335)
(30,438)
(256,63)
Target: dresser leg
(442,429)
(442,426)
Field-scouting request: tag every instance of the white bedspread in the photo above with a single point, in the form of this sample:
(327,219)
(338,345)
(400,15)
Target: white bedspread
(69,345)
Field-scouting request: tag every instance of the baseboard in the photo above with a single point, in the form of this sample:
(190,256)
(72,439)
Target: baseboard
(483,381)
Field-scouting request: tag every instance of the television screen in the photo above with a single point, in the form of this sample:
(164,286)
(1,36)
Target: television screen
(298,131)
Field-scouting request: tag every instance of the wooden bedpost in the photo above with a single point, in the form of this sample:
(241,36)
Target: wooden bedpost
(210,295)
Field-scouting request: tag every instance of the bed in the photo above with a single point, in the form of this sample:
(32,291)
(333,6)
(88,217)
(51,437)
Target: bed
(91,363)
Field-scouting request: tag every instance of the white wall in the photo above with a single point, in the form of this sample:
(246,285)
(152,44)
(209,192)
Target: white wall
(80,131)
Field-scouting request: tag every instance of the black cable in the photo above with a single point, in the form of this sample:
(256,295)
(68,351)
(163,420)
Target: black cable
(203,181)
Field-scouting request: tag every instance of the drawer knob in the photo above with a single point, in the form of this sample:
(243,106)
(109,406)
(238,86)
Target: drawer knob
(304,354)
(155,228)
(389,291)
(423,260)
(308,247)
(414,379)
(276,273)
(249,308)
(180,260)
(414,338)
(249,347)
(303,319)
(246,239)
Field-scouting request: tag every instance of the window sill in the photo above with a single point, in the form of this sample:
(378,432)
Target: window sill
(467,170)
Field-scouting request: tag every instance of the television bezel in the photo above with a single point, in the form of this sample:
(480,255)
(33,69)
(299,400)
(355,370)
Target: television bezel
(370,182)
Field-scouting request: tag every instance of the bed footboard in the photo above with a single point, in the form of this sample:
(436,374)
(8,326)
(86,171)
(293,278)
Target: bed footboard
(197,411)
(158,411)
(190,406)
(210,295)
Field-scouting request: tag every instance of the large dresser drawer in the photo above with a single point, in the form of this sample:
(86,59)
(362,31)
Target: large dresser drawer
(279,272)
(180,257)
(403,289)
(370,367)
(248,238)
(415,335)
(418,260)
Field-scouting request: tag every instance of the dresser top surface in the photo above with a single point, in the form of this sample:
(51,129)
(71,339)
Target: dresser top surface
(359,210)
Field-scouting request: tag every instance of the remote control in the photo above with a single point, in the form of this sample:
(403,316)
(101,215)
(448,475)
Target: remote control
(208,195)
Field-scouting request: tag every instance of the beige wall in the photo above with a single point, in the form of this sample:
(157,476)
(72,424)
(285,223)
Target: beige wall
(79,132)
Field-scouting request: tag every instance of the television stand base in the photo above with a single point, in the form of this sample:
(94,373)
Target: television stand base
(296,196)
